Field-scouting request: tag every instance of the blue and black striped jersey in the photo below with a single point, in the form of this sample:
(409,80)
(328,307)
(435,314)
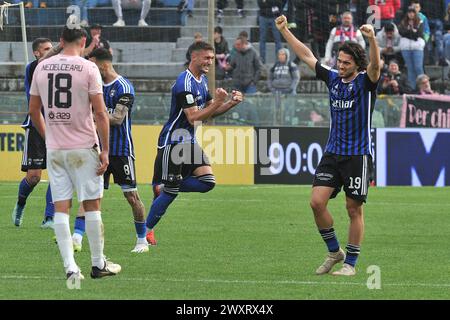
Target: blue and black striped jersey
(351,107)
(29,71)
(187,92)
(120,91)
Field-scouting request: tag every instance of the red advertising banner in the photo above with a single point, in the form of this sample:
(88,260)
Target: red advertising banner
(425,111)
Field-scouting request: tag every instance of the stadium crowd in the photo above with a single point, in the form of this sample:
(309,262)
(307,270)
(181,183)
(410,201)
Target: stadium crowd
(411,34)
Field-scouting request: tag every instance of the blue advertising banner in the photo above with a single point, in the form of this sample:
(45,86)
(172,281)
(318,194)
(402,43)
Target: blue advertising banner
(413,157)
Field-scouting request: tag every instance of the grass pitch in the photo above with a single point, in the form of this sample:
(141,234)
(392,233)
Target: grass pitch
(237,242)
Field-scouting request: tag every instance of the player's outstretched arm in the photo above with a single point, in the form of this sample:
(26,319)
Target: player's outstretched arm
(302,51)
(193,114)
(102,121)
(236,98)
(373,69)
(36,114)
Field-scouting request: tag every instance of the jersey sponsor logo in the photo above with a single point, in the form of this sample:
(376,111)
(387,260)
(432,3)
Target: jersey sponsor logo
(59,115)
(342,104)
(324,176)
(190,99)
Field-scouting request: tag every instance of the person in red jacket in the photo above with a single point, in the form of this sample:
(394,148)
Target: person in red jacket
(388,8)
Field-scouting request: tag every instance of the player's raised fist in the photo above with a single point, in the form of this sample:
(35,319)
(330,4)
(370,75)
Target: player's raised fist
(221,94)
(281,22)
(236,97)
(367,30)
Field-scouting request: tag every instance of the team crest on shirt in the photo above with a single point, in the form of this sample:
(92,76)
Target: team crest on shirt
(350,87)
(334,90)
(112,92)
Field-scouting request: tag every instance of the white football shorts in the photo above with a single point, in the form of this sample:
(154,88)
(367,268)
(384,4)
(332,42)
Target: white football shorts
(74,169)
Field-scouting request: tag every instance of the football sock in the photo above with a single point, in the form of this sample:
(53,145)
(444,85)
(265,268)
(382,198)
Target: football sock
(329,236)
(24,191)
(140,229)
(49,207)
(159,207)
(62,233)
(94,231)
(80,225)
(202,183)
(352,254)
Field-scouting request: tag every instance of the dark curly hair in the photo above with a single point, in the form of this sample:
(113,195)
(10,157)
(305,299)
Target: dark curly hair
(357,52)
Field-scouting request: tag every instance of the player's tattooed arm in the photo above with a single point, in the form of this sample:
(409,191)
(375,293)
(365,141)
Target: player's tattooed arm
(116,118)
(124,104)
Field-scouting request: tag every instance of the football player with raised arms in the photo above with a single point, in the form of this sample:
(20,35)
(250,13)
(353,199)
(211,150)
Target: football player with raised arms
(347,161)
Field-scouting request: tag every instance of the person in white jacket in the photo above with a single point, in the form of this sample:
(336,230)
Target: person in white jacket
(389,42)
(341,34)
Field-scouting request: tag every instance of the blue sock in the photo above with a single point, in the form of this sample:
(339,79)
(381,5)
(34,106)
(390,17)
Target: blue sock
(203,183)
(49,207)
(24,191)
(329,236)
(80,225)
(159,207)
(352,254)
(141,230)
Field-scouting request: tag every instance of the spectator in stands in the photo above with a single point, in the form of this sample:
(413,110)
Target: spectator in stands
(95,40)
(284,75)
(423,85)
(393,82)
(89,4)
(346,32)
(423,18)
(268,11)
(222,52)
(389,42)
(222,4)
(433,11)
(34,4)
(317,119)
(198,37)
(187,5)
(283,79)
(388,8)
(447,36)
(412,44)
(131,4)
(313,18)
(288,7)
(243,34)
(245,66)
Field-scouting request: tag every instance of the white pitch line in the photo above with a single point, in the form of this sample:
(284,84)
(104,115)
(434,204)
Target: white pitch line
(371,204)
(256,282)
